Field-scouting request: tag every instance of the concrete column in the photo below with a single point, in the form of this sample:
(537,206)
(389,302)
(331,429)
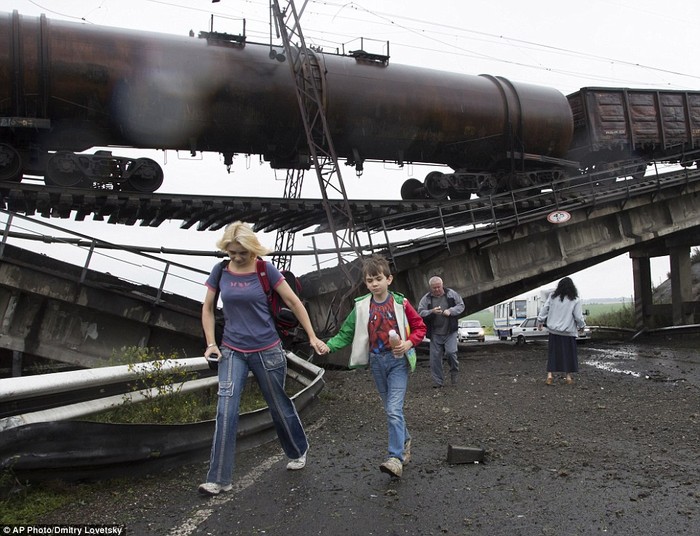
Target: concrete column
(641,271)
(681,285)
(16,363)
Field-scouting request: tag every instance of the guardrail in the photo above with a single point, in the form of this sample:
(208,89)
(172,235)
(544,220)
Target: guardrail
(46,444)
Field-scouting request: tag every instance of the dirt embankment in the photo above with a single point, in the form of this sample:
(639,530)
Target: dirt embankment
(616,453)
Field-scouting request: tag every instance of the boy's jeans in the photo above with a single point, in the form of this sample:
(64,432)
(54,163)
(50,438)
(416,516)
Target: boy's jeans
(270,369)
(391,378)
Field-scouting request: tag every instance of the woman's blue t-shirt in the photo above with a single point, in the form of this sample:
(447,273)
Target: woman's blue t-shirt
(249,326)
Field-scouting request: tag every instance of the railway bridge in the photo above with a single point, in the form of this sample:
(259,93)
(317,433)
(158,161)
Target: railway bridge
(487,249)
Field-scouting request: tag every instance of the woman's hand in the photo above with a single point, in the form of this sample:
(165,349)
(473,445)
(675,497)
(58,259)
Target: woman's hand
(212,351)
(320,347)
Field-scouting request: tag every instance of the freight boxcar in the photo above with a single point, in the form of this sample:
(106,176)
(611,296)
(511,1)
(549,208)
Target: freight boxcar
(619,126)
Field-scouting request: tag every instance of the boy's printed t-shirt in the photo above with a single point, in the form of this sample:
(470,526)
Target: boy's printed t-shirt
(382,319)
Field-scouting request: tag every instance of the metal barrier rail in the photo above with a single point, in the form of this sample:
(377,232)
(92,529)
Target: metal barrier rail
(43,445)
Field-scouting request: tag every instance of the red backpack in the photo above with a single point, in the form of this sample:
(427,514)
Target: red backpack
(285,321)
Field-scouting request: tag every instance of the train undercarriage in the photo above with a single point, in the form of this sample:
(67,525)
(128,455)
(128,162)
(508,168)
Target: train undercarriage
(72,170)
(463,184)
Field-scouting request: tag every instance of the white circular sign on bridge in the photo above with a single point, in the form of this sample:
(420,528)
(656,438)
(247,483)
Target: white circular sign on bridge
(558,216)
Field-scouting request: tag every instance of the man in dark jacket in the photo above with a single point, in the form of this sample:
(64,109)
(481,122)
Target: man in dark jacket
(440,309)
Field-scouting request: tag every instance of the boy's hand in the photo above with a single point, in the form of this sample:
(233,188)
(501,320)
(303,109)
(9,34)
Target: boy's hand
(402,348)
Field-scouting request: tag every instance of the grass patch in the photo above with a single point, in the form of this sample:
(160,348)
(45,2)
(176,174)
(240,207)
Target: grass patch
(165,403)
(613,315)
(22,505)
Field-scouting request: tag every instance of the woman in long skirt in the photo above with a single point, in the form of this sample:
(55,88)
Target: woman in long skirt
(564,318)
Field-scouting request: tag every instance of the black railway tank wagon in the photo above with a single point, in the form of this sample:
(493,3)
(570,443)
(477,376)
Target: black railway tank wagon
(66,88)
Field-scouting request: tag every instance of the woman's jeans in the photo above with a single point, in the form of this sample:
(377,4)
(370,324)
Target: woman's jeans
(391,378)
(270,369)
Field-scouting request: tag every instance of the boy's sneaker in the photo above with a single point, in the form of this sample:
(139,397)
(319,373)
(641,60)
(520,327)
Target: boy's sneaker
(407,452)
(212,488)
(298,463)
(392,466)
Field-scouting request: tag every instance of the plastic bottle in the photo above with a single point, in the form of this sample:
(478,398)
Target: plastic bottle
(394,340)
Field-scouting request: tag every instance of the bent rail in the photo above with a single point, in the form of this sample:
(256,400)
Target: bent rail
(42,445)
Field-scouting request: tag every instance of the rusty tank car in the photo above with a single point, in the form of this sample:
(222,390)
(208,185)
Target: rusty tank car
(66,88)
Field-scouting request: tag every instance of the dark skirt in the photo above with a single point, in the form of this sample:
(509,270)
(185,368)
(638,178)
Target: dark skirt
(562,355)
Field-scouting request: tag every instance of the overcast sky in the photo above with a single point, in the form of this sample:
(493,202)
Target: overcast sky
(565,45)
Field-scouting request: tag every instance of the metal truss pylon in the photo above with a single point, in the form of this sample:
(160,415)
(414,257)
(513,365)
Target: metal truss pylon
(307,75)
(284,242)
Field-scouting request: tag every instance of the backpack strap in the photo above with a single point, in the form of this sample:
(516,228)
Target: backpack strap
(261,268)
(222,266)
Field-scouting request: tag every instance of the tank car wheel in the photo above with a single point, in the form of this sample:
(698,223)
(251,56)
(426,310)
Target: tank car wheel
(639,172)
(10,164)
(436,185)
(63,169)
(144,175)
(412,189)
(460,195)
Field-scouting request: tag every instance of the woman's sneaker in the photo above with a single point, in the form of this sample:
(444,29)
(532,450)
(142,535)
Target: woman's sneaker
(392,466)
(298,463)
(212,488)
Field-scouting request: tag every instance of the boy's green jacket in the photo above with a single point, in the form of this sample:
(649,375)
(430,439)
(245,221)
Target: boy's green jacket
(354,330)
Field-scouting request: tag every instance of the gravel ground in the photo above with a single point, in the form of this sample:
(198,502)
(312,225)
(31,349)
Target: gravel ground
(616,453)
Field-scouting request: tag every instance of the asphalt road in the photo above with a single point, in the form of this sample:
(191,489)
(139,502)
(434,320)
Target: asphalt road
(616,453)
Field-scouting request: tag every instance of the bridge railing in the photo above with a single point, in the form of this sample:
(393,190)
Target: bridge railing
(490,216)
(159,276)
(444,224)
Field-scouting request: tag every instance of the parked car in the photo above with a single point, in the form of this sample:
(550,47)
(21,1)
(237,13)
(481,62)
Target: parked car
(470,330)
(527,331)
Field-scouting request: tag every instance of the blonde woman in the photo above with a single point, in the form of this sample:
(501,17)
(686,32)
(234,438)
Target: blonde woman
(250,343)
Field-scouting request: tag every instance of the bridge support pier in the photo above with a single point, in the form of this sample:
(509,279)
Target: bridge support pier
(16,363)
(641,272)
(682,309)
(681,285)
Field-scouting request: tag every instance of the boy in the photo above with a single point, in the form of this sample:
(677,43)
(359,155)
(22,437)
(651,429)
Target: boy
(367,328)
